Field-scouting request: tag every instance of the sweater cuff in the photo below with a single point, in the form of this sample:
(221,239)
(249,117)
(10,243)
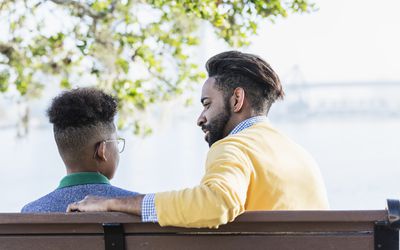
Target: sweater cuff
(149,213)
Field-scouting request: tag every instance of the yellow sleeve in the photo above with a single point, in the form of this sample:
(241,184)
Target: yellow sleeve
(218,199)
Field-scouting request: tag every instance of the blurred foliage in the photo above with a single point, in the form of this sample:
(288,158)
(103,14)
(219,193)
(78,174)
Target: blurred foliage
(139,50)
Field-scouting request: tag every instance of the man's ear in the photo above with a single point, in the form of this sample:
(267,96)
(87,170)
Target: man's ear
(238,99)
(101,151)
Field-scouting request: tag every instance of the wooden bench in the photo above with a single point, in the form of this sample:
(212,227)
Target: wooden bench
(284,230)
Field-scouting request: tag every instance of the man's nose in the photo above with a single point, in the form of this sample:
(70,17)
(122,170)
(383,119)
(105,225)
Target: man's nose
(201,120)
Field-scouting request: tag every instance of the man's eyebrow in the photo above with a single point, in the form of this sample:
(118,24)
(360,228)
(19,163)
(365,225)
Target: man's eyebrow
(203,99)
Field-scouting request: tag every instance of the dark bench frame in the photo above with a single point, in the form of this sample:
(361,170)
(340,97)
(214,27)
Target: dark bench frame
(369,229)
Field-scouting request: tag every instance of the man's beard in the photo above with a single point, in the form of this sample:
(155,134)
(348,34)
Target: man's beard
(216,126)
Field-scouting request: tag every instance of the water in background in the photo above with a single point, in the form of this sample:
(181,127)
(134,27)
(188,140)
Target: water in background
(357,154)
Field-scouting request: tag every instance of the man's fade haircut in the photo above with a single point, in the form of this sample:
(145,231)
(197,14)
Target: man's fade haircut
(234,69)
(79,116)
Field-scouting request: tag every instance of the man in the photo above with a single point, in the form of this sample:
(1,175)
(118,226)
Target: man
(250,165)
(87,142)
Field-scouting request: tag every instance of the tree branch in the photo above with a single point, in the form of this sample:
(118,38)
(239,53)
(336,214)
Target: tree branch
(3,4)
(84,8)
(161,78)
(6,49)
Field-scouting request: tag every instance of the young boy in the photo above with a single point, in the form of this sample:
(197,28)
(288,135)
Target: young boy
(86,137)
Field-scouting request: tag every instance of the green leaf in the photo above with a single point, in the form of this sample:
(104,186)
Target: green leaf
(100,5)
(81,45)
(22,86)
(4,80)
(123,64)
(64,83)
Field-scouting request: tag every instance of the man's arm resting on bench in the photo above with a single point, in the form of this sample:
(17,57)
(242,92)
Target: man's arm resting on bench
(132,205)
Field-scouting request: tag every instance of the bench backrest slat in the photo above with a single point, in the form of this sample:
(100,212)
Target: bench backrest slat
(253,230)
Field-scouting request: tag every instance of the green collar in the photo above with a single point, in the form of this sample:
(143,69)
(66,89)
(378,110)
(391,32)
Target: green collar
(82,178)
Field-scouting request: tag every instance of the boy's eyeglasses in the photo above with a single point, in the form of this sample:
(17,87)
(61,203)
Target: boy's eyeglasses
(120,145)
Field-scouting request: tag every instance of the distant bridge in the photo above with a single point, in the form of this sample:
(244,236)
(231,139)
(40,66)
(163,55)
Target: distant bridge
(340,99)
(371,84)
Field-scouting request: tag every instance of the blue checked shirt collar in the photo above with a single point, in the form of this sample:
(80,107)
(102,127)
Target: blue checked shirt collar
(247,123)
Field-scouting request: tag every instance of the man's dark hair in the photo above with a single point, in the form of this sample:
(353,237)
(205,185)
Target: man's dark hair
(79,116)
(234,69)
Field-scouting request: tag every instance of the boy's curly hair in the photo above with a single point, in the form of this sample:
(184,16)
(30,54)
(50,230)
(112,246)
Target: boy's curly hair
(81,107)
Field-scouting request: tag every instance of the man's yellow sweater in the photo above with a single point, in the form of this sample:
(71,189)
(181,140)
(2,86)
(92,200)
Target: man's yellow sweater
(256,169)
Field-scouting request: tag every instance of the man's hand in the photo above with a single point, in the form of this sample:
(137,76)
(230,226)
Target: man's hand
(132,205)
(90,204)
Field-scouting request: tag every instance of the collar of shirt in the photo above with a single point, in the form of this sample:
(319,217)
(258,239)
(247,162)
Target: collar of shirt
(247,123)
(82,178)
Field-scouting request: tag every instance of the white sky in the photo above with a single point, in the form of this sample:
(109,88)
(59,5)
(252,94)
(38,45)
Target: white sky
(346,40)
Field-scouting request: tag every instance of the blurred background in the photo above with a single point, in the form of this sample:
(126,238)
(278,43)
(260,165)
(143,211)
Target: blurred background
(339,63)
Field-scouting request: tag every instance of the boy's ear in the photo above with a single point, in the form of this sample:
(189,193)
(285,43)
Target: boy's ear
(101,151)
